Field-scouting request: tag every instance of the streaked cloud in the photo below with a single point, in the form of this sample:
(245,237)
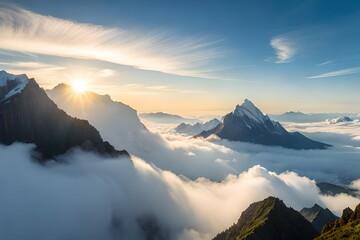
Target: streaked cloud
(26,65)
(17,54)
(140,89)
(325,63)
(346,71)
(284,47)
(159,87)
(154,50)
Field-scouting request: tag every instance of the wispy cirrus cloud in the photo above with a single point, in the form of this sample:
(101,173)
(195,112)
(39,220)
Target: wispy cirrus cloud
(25,31)
(346,71)
(26,65)
(284,47)
(325,63)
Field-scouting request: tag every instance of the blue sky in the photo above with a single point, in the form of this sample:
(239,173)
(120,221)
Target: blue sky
(193,57)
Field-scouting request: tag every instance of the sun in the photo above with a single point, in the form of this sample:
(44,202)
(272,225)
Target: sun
(79,86)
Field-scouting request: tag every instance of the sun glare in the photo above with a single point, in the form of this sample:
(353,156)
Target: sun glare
(79,86)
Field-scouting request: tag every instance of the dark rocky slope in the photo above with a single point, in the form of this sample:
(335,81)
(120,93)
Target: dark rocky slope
(318,216)
(29,116)
(345,227)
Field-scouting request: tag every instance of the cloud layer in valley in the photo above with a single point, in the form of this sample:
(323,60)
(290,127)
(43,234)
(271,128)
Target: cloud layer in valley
(214,158)
(130,199)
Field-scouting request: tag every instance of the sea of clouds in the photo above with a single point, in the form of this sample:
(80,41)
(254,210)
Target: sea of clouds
(84,196)
(216,158)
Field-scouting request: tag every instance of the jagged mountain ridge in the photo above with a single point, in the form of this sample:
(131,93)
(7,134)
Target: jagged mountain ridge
(29,116)
(342,119)
(318,216)
(248,124)
(192,129)
(345,227)
(269,219)
(299,117)
(161,117)
(11,84)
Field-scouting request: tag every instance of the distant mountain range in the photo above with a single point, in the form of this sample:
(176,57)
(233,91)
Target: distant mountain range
(342,119)
(332,189)
(28,115)
(299,117)
(248,124)
(269,219)
(318,216)
(345,227)
(193,129)
(160,117)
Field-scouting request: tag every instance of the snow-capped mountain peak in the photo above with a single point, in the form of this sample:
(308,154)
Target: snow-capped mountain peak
(247,108)
(342,119)
(248,124)
(11,84)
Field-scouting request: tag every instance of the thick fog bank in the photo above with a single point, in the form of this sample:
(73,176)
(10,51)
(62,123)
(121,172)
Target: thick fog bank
(86,197)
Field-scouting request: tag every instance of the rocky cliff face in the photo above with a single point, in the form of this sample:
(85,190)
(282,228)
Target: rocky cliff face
(318,216)
(29,116)
(345,227)
(269,219)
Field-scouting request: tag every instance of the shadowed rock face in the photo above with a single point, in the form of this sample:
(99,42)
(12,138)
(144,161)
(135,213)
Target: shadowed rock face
(345,227)
(248,124)
(269,219)
(117,123)
(318,216)
(29,116)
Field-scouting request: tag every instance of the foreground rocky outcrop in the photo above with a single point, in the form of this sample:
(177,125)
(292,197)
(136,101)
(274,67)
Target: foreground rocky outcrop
(345,227)
(269,219)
